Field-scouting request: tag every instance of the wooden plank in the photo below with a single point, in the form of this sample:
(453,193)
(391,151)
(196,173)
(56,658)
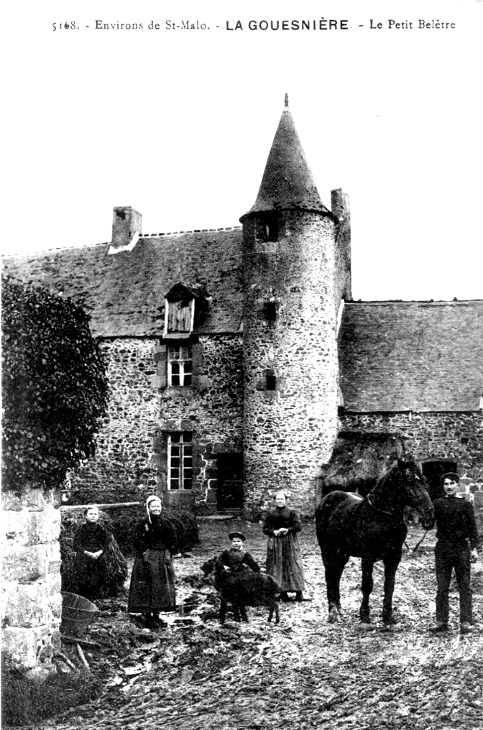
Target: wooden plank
(76,640)
(100,506)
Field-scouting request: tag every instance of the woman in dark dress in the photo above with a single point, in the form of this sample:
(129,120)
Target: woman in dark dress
(152,580)
(284,557)
(90,543)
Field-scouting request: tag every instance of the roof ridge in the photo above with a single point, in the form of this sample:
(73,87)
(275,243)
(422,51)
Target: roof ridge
(195,230)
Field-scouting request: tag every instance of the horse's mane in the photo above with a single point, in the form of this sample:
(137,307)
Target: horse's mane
(389,473)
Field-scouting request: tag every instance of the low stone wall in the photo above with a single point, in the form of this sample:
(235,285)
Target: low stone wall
(31,601)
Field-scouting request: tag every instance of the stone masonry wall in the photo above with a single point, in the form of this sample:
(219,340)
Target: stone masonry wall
(130,459)
(123,467)
(31,598)
(290,427)
(211,409)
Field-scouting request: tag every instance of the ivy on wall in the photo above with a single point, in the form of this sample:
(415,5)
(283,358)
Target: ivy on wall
(54,385)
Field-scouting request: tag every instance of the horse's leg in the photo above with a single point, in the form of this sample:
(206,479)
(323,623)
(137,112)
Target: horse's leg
(366,587)
(334,566)
(390,568)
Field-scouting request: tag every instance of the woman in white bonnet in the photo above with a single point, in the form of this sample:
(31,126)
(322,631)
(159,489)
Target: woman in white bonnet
(152,580)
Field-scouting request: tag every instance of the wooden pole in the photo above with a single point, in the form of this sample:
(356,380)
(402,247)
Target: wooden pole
(100,506)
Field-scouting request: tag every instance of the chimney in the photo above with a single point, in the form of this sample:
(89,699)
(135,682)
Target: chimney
(340,204)
(341,209)
(126,227)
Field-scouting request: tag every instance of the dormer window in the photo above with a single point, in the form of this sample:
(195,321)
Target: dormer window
(180,316)
(181,303)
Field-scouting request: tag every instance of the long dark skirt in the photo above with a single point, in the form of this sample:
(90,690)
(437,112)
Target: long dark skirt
(152,583)
(90,575)
(284,562)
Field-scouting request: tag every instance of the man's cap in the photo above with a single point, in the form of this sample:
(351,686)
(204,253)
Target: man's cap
(236,534)
(450,475)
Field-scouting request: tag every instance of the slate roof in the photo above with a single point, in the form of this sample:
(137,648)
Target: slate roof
(420,356)
(123,291)
(287,182)
(394,356)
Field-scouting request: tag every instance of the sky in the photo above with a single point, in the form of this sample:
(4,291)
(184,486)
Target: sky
(178,123)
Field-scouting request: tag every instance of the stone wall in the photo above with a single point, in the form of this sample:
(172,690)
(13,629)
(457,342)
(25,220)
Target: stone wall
(130,460)
(211,409)
(457,436)
(123,467)
(31,598)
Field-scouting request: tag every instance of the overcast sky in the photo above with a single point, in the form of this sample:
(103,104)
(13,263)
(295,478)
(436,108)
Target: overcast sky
(179,123)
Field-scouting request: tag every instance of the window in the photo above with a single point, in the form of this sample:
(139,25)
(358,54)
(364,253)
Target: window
(180,365)
(270,380)
(270,227)
(184,304)
(270,311)
(180,316)
(180,461)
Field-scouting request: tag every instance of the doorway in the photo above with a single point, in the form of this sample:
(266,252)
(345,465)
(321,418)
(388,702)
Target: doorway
(433,470)
(230,481)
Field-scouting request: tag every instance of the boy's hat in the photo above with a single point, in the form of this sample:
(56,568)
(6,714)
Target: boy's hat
(450,475)
(237,534)
(91,506)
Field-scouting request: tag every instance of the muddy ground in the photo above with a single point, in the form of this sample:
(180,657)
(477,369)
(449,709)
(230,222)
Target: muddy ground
(193,674)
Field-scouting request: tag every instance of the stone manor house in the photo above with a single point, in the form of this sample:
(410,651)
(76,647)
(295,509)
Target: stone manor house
(236,356)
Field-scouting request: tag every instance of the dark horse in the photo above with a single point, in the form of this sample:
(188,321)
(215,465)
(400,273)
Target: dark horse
(371,528)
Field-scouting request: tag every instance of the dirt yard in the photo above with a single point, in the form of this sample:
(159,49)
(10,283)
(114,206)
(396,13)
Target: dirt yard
(304,673)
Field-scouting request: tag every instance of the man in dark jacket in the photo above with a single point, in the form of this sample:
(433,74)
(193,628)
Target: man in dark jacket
(457,546)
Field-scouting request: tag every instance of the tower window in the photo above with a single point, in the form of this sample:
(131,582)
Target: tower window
(270,227)
(180,365)
(270,380)
(180,461)
(270,311)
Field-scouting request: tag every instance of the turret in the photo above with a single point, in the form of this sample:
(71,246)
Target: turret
(289,327)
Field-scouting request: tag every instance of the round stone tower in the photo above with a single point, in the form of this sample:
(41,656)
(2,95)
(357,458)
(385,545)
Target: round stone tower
(289,328)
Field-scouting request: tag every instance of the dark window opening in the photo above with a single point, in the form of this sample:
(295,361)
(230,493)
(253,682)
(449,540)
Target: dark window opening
(270,228)
(270,380)
(270,311)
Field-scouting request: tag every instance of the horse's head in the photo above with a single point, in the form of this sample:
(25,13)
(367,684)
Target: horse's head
(414,488)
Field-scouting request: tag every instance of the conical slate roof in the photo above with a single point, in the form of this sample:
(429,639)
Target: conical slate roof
(287,182)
